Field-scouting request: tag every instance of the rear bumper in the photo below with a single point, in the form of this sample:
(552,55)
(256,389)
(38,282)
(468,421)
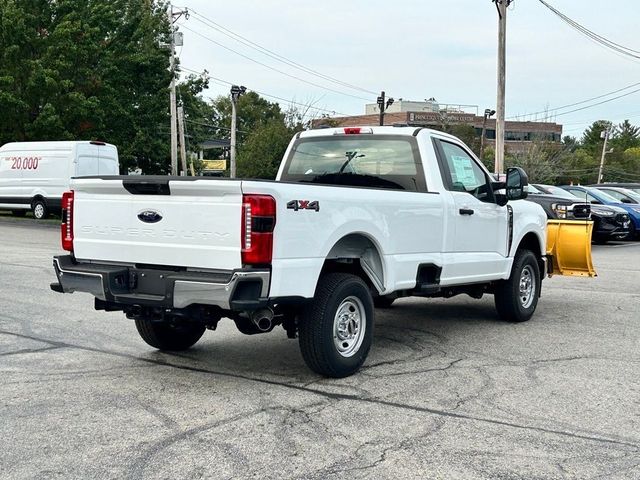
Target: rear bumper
(238,290)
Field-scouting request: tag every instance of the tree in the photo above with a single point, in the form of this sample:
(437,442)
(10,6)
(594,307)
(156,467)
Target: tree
(626,136)
(542,160)
(262,152)
(88,69)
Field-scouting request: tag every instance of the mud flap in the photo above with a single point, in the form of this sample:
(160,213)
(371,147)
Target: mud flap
(569,248)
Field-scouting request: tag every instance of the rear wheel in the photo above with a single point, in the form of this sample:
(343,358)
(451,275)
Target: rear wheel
(517,297)
(40,210)
(167,336)
(337,329)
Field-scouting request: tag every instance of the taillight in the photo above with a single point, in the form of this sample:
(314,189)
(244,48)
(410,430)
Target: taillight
(258,222)
(66,227)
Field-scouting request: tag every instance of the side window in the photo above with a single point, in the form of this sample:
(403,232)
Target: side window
(582,195)
(464,174)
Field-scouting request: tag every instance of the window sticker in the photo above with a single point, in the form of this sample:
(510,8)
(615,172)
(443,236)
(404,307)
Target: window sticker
(463,171)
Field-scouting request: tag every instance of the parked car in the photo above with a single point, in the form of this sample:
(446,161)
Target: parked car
(629,186)
(622,194)
(34,175)
(609,222)
(356,216)
(598,197)
(559,208)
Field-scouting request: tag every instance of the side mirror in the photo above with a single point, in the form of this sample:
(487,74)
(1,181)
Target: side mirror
(627,200)
(516,182)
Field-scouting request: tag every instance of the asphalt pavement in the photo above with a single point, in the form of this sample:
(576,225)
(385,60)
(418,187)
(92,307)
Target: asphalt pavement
(448,391)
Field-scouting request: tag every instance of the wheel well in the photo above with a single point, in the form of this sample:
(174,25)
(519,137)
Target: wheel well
(531,242)
(38,197)
(357,254)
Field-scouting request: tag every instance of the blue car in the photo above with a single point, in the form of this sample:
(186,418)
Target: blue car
(599,197)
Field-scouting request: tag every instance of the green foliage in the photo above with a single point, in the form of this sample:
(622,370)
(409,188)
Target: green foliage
(262,152)
(88,69)
(621,161)
(591,138)
(542,160)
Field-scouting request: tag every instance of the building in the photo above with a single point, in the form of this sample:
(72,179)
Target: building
(518,135)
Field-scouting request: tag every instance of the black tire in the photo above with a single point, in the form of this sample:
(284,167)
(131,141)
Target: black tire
(18,213)
(599,239)
(39,209)
(316,329)
(512,305)
(384,301)
(169,337)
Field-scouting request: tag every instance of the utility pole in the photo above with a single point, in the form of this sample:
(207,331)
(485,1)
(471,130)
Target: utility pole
(382,105)
(236,91)
(501,5)
(487,113)
(605,134)
(183,147)
(172,96)
(172,88)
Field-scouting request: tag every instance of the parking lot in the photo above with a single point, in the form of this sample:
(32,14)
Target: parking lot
(448,391)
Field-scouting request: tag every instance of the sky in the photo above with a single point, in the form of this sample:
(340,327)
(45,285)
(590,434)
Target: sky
(420,49)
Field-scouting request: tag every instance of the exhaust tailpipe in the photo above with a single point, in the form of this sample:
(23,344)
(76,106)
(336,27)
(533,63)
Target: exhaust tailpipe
(263,319)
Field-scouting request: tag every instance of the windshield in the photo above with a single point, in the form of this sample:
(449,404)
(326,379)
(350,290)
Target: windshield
(604,196)
(557,191)
(357,160)
(531,189)
(622,193)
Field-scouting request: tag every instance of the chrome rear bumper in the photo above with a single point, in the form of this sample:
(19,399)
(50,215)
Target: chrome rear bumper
(131,285)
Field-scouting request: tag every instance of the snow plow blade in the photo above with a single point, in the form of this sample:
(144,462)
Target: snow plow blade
(569,248)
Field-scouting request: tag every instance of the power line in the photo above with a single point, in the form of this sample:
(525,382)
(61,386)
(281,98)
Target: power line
(594,36)
(228,83)
(275,69)
(599,103)
(578,103)
(270,53)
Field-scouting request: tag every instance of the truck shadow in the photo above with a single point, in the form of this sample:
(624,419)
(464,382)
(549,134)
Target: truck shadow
(412,329)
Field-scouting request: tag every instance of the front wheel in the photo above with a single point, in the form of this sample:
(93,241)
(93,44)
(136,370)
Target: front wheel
(336,332)
(517,297)
(167,336)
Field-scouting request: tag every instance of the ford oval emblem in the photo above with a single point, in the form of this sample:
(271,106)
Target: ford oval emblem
(149,216)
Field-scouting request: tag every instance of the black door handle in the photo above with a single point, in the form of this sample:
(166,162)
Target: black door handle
(466,211)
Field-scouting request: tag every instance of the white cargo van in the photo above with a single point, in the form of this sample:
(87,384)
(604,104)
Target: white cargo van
(34,175)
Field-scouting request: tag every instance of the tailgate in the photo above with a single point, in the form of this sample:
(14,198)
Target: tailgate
(158,221)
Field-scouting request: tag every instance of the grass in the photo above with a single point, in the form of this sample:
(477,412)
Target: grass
(6,215)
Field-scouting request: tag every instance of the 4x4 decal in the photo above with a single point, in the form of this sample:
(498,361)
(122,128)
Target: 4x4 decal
(303,205)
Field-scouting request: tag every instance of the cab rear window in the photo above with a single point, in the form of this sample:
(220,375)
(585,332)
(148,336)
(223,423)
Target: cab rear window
(357,160)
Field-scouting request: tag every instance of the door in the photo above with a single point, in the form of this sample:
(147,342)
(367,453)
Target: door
(479,239)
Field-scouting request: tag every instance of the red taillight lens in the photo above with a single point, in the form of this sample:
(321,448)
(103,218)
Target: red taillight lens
(352,130)
(258,222)
(66,227)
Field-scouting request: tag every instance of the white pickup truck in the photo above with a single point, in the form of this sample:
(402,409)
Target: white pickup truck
(356,218)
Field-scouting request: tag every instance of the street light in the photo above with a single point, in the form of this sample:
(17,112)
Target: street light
(487,113)
(236,92)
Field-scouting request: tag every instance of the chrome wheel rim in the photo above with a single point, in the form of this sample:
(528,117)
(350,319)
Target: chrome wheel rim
(38,211)
(349,325)
(527,287)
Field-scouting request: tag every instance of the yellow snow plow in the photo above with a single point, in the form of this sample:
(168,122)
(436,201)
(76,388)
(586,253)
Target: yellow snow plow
(569,248)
